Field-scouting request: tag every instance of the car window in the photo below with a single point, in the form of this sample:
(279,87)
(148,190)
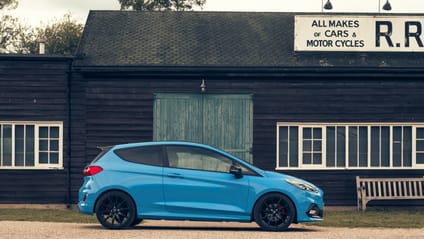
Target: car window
(197,158)
(104,150)
(149,155)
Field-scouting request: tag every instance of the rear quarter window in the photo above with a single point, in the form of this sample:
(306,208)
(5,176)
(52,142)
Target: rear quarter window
(148,155)
(104,150)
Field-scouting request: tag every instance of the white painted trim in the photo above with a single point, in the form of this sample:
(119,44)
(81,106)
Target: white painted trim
(369,126)
(37,165)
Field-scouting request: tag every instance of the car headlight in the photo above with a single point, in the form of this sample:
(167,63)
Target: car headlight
(302,185)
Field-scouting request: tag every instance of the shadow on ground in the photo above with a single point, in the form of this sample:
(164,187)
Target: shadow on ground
(200,228)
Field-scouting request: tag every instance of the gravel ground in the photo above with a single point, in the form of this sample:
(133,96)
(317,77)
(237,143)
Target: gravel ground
(187,230)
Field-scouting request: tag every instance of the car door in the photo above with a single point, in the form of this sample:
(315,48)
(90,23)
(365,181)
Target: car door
(197,185)
(142,175)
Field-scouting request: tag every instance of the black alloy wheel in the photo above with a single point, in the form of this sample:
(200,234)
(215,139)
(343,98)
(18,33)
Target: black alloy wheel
(116,210)
(274,212)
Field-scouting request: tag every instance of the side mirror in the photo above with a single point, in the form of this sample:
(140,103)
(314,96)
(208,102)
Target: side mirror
(236,170)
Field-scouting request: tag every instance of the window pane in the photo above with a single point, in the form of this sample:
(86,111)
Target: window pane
(307,158)
(363,146)
(331,147)
(19,145)
(44,132)
(294,146)
(43,158)
(385,146)
(54,132)
(397,146)
(420,145)
(375,146)
(1,145)
(7,145)
(54,145)
(307,133)
(54,158)
(317,146)
(420,158)
(341,146)
(307,146)
(420,133)
(43,145)
(353,146)
(29,146)
(407,146)
(317,133)
(317,159)
(283,147)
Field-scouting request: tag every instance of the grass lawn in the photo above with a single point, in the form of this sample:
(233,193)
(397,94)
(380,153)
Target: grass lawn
(45,215)
(391,218)
(388,218)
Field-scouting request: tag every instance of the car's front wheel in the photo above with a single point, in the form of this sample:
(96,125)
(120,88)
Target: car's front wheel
(274,212)
(115,210)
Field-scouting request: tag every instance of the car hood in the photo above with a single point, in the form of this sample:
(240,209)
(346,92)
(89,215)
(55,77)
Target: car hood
(283,176)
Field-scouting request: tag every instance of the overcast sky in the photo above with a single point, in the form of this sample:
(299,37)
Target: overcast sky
(35,12)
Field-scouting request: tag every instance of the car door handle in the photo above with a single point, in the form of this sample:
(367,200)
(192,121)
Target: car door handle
(175,175)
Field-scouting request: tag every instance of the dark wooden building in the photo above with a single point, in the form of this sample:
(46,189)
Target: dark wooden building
(34,128)
(232,80)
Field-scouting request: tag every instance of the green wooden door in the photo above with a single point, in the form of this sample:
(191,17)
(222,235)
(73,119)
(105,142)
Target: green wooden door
(176,117)
(223,121)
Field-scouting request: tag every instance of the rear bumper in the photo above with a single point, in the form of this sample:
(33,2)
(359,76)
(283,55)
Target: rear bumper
(85,202)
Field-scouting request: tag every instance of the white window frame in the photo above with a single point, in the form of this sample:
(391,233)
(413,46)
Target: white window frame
(323,146)
(324,126)
(37,125)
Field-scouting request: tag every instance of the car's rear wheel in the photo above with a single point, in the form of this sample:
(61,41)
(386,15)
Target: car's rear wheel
(115,210)
(274,212)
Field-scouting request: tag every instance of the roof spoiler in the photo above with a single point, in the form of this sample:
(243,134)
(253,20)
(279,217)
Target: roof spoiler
(104,148)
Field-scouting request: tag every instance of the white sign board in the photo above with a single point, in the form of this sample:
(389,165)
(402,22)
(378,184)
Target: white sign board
(359,33)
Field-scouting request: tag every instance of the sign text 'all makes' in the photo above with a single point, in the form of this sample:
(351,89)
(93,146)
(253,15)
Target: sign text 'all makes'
(359,33)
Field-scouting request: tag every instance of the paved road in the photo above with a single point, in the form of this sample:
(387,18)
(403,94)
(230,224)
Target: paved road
(198,230)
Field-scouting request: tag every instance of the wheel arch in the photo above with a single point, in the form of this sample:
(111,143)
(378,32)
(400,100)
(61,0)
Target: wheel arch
(271,192)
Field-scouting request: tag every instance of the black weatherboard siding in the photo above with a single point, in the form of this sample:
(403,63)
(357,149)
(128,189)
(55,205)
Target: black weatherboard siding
(34,89)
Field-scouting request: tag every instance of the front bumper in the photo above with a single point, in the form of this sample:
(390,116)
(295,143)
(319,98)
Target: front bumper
(315,212)
(311,209)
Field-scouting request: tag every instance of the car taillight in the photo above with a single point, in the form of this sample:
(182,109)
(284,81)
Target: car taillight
(92,170)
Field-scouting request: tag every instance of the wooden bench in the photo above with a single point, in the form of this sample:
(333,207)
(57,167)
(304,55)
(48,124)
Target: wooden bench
(388,189)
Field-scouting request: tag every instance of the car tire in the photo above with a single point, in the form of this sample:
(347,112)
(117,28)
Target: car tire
(274,212)
(137,221)
(115,210)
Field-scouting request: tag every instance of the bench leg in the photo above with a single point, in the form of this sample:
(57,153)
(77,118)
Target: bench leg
(362,201)
(364,204)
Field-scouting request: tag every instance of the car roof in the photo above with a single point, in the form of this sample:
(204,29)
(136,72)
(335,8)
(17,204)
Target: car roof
(161,143)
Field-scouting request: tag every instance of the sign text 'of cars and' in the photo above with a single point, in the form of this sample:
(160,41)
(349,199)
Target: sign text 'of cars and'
(359,33)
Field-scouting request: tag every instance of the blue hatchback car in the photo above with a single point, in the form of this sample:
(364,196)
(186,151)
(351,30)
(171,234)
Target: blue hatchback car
(186,181)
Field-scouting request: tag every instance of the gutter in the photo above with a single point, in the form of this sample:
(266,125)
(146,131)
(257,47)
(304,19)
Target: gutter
(252,71)
(69,138)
